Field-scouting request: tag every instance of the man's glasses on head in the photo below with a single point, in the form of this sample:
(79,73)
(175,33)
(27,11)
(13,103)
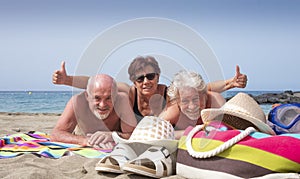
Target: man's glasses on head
(149,76)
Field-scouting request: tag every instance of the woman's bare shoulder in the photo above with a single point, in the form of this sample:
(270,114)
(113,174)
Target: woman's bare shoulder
(215,99)
(161,88)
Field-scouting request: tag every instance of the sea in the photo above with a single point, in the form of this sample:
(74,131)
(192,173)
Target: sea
(55,101)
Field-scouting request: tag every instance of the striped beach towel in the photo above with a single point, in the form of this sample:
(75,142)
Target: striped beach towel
(39,144)
(256,155)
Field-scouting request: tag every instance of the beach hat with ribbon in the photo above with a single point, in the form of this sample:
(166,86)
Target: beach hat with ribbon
(151,130)
(240,112)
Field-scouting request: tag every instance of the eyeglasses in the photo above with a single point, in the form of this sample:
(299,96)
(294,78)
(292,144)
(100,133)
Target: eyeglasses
(149,76)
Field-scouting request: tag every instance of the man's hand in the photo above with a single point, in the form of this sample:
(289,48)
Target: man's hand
(101,140)
(60,76)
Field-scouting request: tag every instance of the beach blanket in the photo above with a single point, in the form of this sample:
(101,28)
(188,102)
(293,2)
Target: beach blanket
(38,143)
(257,154)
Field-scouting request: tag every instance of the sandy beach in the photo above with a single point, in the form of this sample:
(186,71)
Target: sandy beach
(31,166)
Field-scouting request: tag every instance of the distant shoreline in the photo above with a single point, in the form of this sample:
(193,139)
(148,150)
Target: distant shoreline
(29,114)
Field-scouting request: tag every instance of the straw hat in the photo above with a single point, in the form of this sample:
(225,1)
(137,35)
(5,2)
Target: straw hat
(151,130)
(240,112)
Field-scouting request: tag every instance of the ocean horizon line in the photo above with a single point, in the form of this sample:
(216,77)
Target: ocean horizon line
(54,101)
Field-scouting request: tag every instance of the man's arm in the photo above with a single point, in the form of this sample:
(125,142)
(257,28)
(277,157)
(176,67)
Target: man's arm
(60,77)
(238,81)
(62,132)
(125,112)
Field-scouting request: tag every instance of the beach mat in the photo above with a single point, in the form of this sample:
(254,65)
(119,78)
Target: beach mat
(39,144)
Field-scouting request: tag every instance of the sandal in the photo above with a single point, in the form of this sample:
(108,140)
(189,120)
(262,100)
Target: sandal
(154,162)
(121,154)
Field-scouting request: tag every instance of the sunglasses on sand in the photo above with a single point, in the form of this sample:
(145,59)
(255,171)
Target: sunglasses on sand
(149,76)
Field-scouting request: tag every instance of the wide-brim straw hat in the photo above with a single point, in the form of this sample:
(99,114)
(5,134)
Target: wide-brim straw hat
(151,130)
(240,112)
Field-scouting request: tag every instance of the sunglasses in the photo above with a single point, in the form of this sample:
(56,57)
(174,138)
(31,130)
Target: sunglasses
(149,76)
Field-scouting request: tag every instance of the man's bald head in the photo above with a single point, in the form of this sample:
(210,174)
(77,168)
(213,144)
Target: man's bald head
(102,81)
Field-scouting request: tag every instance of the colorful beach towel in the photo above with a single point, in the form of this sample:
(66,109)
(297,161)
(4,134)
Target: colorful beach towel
(256,155)
(39,144)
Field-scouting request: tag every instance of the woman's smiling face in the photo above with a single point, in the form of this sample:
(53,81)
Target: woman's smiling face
(146,81)
(191,103)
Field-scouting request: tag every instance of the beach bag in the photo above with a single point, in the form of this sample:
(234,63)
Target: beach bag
(285,118)
(223,153)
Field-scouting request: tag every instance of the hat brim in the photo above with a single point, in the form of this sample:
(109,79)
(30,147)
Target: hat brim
(171,145)
(210,114)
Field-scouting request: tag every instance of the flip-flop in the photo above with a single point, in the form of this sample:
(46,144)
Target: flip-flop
(154,162)
(114,162)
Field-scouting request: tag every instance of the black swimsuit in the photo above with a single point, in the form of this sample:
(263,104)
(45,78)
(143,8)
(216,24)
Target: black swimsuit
(136,111)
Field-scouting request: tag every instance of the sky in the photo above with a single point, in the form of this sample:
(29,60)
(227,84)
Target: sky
(261,36)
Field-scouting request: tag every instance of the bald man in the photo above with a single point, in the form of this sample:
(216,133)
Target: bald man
(96,113)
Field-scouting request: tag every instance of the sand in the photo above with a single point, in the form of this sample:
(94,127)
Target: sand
(31,166)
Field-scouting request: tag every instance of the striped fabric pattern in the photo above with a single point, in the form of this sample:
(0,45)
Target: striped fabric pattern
(38,143)
(256,155)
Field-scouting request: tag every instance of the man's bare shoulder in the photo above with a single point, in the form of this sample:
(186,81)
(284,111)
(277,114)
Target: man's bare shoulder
(122,104)
(78,96)
(121,98)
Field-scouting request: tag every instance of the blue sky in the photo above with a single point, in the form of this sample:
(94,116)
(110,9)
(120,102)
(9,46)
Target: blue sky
(263,37)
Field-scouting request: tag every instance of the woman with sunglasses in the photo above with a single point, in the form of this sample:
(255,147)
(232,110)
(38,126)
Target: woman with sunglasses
(147,96)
